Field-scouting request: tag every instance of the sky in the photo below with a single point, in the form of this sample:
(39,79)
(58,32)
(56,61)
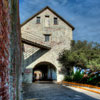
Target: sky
(84,15)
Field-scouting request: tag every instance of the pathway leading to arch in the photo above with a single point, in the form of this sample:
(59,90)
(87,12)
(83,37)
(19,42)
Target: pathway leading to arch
(48,91)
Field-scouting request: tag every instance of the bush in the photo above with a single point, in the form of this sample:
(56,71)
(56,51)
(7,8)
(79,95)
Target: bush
(68,78)
(78,77)
(74,77)
(94,80)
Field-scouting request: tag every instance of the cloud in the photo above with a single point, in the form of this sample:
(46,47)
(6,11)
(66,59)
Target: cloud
(58,2)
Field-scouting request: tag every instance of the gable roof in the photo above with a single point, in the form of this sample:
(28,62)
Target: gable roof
(52,12)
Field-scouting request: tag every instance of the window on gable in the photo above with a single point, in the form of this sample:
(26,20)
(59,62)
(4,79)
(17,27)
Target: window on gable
(47,21)
(55,20)
(38,20)
(47,37)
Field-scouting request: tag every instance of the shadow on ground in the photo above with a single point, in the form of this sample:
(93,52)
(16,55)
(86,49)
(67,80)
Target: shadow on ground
(38,91)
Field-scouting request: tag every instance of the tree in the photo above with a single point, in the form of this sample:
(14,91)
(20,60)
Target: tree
(82,54)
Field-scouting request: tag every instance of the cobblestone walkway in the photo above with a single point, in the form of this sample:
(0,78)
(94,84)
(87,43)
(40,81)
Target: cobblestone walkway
(56,92)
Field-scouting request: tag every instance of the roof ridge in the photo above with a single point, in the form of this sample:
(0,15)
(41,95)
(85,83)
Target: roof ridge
(47,7)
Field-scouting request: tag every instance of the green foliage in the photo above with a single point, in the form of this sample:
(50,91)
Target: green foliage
(92,78)
(78,76)
(74,77)
(82,54)
(94,64)
(68,78)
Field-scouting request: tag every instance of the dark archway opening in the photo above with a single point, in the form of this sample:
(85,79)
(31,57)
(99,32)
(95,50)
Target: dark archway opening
(44,72)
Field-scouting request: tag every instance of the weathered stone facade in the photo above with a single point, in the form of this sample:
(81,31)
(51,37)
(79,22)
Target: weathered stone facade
(10,51)
(60,39)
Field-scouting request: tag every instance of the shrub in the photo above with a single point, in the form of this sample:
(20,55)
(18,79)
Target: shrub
(78,76)
(74,77)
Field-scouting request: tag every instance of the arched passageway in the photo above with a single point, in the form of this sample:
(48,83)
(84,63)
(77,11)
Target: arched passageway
(44,71)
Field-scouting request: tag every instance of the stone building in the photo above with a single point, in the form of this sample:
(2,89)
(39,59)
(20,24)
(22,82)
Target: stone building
(44,36)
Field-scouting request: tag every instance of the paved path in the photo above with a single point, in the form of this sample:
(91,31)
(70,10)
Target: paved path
(56,92)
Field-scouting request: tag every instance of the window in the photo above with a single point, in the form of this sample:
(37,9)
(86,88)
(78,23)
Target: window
(55,21)
(47,21)
(47,37)
(38,20)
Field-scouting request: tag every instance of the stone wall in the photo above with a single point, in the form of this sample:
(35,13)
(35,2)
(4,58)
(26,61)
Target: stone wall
(15,52)
(10,51)
(4,50)
(60,39)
